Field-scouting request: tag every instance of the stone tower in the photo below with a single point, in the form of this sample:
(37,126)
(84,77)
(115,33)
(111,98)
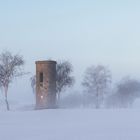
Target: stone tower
(45,84)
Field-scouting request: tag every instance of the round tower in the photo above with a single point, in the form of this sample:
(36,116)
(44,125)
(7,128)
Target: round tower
(45,84)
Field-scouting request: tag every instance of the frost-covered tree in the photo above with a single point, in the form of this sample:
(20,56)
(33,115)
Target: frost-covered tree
(96,82)
(10,67)
(63,78)
(127,90)
(33,83)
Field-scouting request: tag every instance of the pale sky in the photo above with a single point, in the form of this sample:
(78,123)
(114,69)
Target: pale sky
(85,32)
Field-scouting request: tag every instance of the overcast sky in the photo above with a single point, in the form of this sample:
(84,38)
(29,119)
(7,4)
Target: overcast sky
(85,32)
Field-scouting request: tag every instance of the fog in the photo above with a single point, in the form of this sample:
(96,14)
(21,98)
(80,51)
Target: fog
(83,32)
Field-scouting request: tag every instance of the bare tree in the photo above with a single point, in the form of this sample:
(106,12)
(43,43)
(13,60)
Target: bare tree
(126,92)
(63,78)
(10,67)
(96,82)
(33,83)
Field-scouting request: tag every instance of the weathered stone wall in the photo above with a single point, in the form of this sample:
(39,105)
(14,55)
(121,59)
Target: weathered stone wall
(46,90)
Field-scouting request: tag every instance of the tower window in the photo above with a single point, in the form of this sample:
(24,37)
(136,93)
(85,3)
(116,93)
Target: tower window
(41,77)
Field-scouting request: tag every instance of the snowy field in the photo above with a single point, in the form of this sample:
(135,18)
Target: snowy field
(68,124)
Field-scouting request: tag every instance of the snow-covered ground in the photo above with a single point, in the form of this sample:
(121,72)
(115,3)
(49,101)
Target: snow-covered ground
(68,124)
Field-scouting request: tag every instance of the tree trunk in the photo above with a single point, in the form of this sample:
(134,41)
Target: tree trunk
(6,101)
(97,100)
(7,104)
(97,104)
(59,97)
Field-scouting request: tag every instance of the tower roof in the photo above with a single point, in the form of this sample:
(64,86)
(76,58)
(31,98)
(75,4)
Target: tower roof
(45,62)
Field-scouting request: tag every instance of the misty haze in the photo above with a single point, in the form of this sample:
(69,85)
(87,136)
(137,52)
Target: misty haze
(69,70)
